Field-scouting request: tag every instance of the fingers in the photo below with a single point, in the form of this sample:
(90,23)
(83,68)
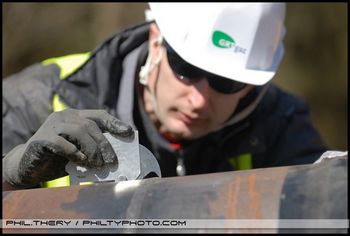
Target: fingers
(46,159)
(75,135)
(79,136)
(107,122)
(62,147)
(105,148)
(83,129)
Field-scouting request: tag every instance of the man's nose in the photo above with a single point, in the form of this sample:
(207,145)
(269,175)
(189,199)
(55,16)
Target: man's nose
(199,93)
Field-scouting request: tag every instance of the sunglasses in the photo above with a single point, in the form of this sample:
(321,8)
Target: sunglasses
(185,71)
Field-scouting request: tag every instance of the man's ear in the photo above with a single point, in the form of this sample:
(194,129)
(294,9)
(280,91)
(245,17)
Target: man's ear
(155,43)
(154,34)
(154,54)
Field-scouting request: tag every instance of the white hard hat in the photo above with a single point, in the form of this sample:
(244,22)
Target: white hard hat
(239,41)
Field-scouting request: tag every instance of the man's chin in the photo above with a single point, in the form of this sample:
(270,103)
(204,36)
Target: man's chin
(181,131)
(187,134)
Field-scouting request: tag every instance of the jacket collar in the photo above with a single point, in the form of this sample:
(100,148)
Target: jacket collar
(97,81)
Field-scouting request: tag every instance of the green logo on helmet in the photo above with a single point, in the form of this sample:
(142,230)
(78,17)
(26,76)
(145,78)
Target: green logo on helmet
(222,40)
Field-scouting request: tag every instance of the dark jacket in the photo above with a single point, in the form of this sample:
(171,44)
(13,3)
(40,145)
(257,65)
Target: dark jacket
(278,132)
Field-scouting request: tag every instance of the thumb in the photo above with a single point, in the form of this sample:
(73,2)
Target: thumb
(108,123)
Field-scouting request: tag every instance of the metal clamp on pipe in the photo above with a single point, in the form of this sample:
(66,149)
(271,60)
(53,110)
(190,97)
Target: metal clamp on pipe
(134,162)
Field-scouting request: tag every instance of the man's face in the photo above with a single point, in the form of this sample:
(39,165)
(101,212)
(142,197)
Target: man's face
(186,109)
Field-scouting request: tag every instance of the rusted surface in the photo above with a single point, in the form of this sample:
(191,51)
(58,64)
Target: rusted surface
(229,195)
(251,194)
(41,203)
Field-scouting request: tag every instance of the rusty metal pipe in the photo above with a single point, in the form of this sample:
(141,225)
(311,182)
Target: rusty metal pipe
(271,193)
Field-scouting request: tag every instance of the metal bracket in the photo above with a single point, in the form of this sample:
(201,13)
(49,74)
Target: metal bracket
(134,162)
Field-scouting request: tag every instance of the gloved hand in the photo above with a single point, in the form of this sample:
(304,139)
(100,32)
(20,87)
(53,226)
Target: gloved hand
(69,135)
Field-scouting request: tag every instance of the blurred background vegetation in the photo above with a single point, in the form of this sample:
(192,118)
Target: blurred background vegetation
(314,66)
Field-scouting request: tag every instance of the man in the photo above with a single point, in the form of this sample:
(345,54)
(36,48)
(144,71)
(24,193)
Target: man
(194,83)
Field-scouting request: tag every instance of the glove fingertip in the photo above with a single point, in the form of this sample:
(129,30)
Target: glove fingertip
(125,131)
(82,156)
(120,128)
(107,152)
(109,157)
(127,134)
(78,158)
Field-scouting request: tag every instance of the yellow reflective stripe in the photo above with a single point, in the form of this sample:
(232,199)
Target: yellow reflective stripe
(86,183)
(242,162)
(68,64)
(57,105)
(60,182)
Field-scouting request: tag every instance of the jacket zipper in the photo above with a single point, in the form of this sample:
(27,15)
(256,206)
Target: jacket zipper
(180,167)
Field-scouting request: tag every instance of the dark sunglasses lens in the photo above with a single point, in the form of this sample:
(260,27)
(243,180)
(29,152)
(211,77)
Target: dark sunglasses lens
(181,67)
(224,85)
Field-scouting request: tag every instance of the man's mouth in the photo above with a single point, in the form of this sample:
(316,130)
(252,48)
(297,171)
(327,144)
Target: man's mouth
(189,119)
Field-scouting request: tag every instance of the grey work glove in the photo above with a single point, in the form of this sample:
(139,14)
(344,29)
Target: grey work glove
(69,135)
